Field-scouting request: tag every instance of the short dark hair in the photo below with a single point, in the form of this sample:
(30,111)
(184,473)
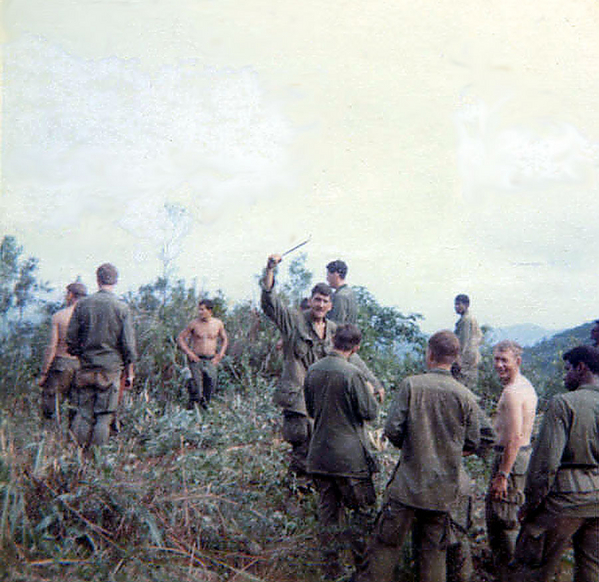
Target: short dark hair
(107,274)
(338,266)
(585,354)
(305,303)
(347,337)
(207,303)
(321,289)
(462,298)
(77,289)
(444,346)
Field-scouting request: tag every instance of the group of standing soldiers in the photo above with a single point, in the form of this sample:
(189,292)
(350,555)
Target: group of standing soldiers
(539,499)
(91,353)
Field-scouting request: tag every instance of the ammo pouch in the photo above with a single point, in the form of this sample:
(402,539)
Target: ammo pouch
(98,379)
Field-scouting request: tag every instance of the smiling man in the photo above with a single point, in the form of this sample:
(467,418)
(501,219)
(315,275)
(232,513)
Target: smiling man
(513,425)
(306,335)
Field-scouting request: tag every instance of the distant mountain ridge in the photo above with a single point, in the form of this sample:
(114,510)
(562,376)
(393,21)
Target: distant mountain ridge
(526,334)
(546,352)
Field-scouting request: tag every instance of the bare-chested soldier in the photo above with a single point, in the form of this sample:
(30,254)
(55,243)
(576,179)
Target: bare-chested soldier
(513,425)
(59,366)
(199,341)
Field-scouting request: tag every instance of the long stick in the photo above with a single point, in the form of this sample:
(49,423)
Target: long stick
(297,246)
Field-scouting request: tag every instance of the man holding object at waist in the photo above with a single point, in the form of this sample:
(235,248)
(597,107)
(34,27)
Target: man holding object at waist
(199,341)
(513,426)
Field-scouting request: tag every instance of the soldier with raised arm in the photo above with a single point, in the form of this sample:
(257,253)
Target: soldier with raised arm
(59,366)
(514,423)
(307,337)
(199,341)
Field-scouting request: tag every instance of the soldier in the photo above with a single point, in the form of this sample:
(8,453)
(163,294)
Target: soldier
(307,336)
(345,306)
(562,484)
(470,336)
(513,425)
(595,333)
(101,335)
(434,420)
(199,341)
(340,400)
(59,366)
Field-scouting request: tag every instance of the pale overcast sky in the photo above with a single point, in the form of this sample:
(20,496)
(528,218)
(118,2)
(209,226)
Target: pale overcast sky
(437,147)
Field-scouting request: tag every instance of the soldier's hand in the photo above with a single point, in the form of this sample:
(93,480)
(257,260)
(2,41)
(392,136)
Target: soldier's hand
(380,395)
(42,380)
(273,261)
(498,488)
(193,357)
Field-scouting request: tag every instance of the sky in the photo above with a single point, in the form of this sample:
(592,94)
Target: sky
(436,148)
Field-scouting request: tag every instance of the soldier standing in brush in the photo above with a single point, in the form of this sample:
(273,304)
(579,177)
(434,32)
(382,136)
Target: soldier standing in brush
(101,335)
(340,401)
(59,366)
(199,341)
(345,306)
(514,424)
(470,336)
(562,483)
(307,337)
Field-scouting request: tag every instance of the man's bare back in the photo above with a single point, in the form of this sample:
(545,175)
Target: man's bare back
(200,338)
(60,321)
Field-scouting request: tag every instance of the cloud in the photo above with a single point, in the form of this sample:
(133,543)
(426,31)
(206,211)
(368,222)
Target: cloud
(107,136)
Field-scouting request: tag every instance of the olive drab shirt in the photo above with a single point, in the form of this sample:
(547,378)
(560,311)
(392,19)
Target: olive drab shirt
(100,332)
(339,401)
(302,347)
(470,336)
(433,419)
(563,470)
(345,306)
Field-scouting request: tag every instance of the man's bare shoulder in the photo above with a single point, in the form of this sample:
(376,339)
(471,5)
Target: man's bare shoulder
(518,391)
(63,315)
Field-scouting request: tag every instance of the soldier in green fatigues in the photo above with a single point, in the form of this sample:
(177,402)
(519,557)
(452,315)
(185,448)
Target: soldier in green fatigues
(307,337)
(101,335)
(345,306)
(340,400)
(562,483)
(470,336)
(434,420)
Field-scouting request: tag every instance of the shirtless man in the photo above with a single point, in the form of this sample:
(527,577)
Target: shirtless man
(513,425)
(59,366)
(199,342)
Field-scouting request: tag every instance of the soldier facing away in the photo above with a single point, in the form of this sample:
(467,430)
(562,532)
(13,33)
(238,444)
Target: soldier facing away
(59,366)
(434,420)
(562,484)
(470,336)
(345,306)
(199,341)
(340,401)
(514,423)
(101,335)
